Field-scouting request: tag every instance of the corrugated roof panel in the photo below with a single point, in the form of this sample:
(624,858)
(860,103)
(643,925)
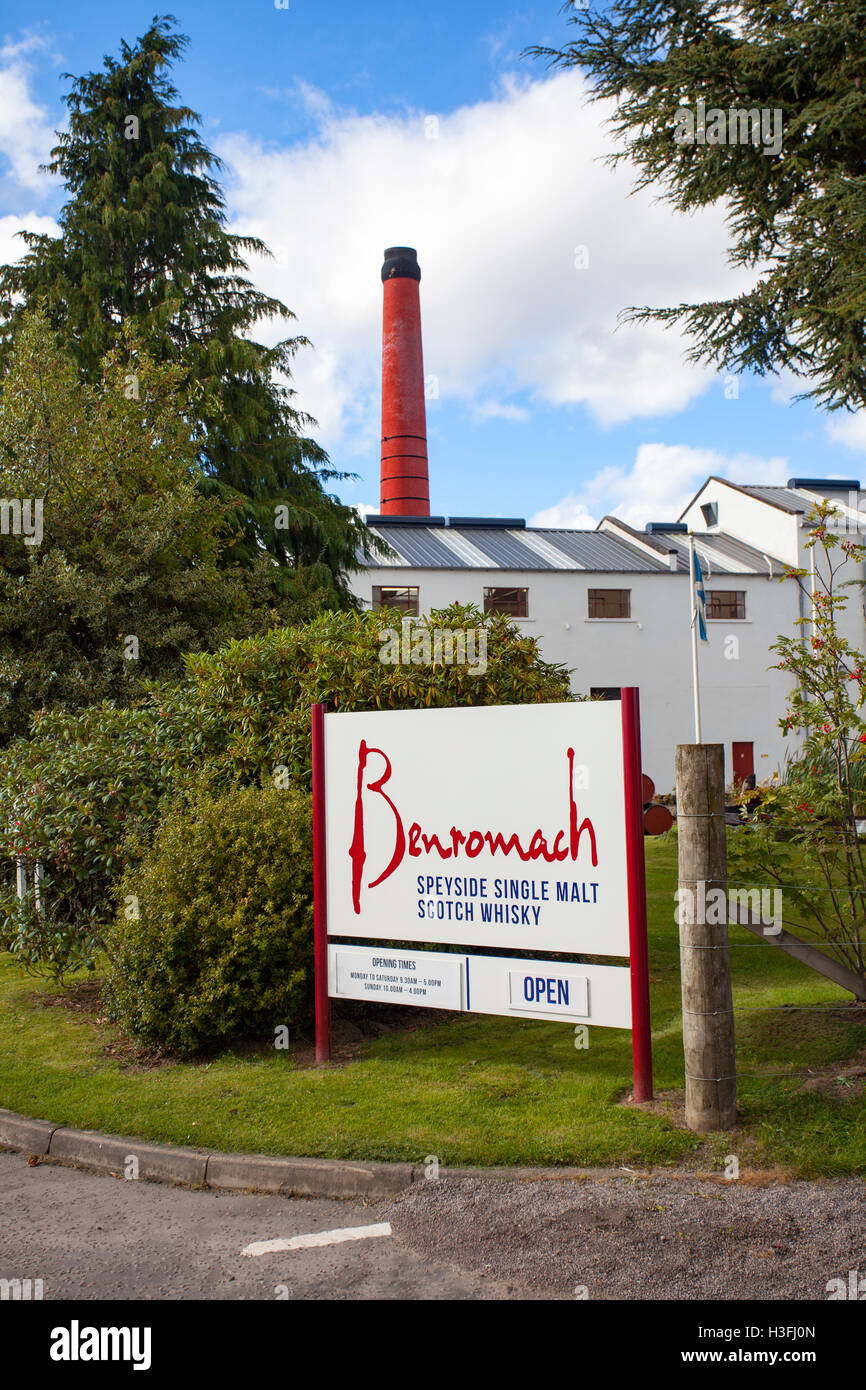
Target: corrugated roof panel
(782,496)
(724,554)
(382,561)
(467,553)
(543,548)
(710,558)
(741,558)
(546,548)
(503,548)
(596,550)
(418,546)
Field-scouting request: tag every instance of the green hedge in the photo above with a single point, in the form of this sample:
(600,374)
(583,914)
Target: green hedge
(213,938)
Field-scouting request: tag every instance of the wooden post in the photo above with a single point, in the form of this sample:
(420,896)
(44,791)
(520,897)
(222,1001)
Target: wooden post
(708,1018)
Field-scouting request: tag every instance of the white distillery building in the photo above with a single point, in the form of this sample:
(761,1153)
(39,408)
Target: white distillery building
(613,604)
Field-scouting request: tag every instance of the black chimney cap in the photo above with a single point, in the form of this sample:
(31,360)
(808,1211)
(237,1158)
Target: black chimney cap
(401,261)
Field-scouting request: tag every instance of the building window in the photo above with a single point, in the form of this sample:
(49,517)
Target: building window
(726,603)
(514,602)
(605,692)
(710,513)
(610,603)
(404,599)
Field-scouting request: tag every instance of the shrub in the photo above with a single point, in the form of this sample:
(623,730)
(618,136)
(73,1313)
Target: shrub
(67,799)
(253,697)
(223,942)
(87,787)
(807,828)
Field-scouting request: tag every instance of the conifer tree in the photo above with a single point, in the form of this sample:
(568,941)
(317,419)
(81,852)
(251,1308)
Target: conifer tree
(143,243)
(797,217)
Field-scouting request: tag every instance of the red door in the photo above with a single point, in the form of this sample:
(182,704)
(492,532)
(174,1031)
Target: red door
(744,761)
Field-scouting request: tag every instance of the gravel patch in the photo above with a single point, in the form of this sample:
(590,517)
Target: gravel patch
(639,1237)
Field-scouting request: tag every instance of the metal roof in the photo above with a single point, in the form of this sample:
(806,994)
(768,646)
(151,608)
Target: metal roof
(784,497)
(597,550)
(720,553)
(418,546)
(494,547)
(551,548)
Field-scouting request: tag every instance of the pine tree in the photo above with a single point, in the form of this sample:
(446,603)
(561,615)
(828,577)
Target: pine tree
(143,243)
(798,216)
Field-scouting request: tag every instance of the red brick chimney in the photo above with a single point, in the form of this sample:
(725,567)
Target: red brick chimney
(405,483)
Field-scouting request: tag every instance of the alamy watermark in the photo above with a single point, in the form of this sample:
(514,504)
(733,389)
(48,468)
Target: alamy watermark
(761,127)
(853,1288)
(21,1290)
(77,1343)
(419,645)
(848,518)
(22,516)
(758,907)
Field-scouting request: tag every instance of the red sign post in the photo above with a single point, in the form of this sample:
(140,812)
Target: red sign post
(641,1033)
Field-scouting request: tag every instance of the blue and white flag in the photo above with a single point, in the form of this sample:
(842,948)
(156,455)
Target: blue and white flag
(700,600)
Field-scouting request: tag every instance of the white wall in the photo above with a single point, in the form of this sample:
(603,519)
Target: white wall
(742,699)
(784,535)
(765,527)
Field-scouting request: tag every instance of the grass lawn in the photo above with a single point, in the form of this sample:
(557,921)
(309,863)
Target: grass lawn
(477,1090)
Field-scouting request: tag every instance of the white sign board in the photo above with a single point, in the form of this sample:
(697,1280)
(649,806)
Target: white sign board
(596,994)
(489,826)
(431,980)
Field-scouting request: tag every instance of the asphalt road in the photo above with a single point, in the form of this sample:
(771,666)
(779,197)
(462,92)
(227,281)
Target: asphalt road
(88,1236)
(622,1236)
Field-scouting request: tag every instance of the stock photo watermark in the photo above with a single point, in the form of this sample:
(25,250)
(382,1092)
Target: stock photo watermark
(22,517)
(734,906)
(853,1288)
(77,1343)
(416,645)
(759,127)
(22,1290)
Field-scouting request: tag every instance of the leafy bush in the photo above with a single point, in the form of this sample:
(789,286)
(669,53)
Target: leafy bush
(223,942)
(806,830)
(253,697)
(67,799)
(82,796)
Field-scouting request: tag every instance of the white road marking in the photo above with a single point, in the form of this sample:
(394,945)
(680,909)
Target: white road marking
(272,1247)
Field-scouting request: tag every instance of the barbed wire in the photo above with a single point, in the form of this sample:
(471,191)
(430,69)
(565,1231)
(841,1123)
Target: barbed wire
(750,885)
(738,945)
(751,1075)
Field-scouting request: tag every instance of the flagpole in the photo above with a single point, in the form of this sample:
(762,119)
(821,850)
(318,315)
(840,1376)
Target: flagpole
(696,688)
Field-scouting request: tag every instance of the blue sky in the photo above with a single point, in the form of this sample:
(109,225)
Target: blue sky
(346,128)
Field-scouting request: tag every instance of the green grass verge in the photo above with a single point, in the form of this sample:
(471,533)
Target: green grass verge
(477,1090)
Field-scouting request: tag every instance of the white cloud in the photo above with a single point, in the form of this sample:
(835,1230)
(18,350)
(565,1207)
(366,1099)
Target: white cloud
(661,482)
(497,205)
(26,133)
(570,513)
(848,429)
(785,386)
(12,248)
